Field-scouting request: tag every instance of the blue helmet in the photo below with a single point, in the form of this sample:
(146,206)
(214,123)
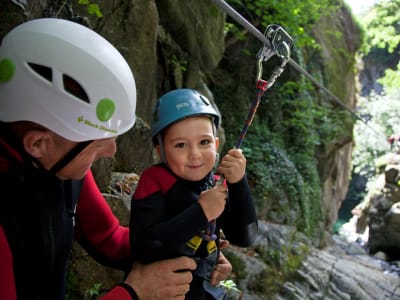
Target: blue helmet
(179,104)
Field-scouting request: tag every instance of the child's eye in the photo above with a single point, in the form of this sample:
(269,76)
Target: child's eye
(205,142)
(180,145)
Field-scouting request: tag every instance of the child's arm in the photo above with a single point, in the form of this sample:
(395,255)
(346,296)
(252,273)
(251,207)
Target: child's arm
(239,221)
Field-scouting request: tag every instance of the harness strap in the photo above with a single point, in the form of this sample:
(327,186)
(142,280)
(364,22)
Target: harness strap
(205,266)
(72,190)
(194,243)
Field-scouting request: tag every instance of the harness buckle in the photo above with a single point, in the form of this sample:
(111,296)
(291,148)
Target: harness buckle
(194,242)
(211,246)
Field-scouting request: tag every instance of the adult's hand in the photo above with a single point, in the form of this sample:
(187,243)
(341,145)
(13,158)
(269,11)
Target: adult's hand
(167,279)
(221,271)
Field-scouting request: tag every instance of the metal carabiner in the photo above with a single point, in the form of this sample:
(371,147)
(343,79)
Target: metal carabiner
(281,43)
(259,69)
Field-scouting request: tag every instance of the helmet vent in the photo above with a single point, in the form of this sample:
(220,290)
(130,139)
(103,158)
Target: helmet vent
(72,87)
(43,71)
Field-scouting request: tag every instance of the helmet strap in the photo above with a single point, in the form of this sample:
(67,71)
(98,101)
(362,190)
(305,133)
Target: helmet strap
(216,160)
(69,157)
(162,152)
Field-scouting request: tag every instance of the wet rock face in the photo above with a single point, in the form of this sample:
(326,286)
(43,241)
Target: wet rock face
(379,212)
(384,215)
(341,270)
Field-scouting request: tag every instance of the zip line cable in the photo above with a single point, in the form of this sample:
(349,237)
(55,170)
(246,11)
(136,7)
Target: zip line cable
(267,44)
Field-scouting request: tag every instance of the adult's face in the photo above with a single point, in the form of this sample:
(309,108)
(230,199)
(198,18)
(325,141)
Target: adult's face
(52,148)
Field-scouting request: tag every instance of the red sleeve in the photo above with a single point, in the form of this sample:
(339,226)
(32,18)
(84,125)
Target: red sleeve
(154,179)
(95,221)
(7,285)
(117,293)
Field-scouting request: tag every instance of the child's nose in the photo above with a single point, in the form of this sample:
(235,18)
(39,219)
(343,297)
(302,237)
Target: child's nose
(194,152)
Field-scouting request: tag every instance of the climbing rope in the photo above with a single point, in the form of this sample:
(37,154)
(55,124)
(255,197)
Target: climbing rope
(281,43)
(270,50)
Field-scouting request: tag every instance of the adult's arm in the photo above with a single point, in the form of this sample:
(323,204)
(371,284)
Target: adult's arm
(7,284)
(97,228)
(97,225)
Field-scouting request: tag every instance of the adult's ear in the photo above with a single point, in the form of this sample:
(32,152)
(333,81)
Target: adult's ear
(34,142)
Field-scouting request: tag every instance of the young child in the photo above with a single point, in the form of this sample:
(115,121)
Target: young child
(178,208)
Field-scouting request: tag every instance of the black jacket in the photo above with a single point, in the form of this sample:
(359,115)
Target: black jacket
(165,215)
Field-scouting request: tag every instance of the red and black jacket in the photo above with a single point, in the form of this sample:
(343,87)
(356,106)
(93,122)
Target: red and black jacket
(39,216)
(165,214)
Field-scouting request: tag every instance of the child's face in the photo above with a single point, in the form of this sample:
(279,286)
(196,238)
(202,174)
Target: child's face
(190,147)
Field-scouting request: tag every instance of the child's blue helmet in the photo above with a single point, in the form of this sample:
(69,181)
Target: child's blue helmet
(179,104)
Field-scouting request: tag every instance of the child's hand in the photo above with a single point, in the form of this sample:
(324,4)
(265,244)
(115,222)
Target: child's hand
(213,201)
(233,165)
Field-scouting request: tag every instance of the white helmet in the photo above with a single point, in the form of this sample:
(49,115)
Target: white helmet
(67,78)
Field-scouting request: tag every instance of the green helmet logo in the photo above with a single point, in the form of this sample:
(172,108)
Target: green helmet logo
(105,109)
(7,70)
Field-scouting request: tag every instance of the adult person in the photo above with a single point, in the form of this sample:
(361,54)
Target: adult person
(65,95)
(177,208)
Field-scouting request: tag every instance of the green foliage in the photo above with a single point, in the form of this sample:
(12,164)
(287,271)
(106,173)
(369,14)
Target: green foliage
(280,149)
(382,26)
(382,38)
(230,285)
(94,290)
(381,45)
(298,16)
(72,292)
(382,112)
(93,9)
(391,80)
(176,63)
(290,174)
(294,122)
(282,260)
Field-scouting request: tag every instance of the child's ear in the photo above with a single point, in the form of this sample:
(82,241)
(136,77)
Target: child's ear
(216,143)
(34,142)
(157,147)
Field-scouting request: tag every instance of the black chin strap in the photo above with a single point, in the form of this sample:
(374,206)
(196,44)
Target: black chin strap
(69,157)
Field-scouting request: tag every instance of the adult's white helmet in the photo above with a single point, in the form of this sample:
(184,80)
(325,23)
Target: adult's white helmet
(67,78)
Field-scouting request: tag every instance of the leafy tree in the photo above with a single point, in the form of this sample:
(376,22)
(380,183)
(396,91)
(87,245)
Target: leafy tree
(383,117)
(382,32)
(382,24)
(298,15)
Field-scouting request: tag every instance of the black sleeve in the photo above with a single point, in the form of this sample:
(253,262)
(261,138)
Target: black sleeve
(239,221)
